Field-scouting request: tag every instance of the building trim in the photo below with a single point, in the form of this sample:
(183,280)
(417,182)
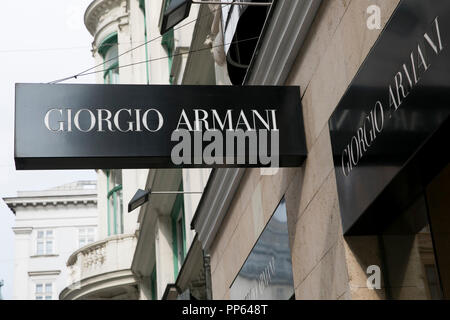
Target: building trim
(106,44)
(170,293)
(44,256)
(98,283)
(217,196)
(162,205)
(96,9)
(22,230)
(48,200)
(60,218)
(44,273)
(74,256)
(281,39)
(189,267)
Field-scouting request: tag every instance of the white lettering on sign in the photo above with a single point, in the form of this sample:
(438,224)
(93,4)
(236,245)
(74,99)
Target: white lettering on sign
(103,120)
(404,81)
(247,121)
(242,137)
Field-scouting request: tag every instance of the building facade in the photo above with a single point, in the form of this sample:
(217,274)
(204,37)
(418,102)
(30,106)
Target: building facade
(102,270)
(127,48)
(383,239)
(364,223)
(49,226)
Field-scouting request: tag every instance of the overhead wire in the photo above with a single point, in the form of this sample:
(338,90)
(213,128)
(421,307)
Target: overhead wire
(166,57)
(19,50)
(86,71)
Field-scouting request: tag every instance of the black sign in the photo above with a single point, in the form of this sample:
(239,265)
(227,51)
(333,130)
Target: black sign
(80,126)
(394,110)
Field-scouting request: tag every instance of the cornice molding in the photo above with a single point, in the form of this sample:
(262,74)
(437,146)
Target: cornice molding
(22,230)
(213,207)
(101,282)
(281,40)
(44,273)
(16,202)
(97,10)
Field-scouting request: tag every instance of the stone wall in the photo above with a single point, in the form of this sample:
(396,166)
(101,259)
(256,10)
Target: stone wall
(325,266)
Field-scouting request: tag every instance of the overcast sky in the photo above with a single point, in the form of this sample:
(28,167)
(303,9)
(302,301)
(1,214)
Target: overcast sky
(40,41)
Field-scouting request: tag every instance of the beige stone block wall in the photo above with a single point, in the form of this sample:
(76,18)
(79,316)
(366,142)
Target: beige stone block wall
(255,202)
(338,43)
(324,265)
(362,252)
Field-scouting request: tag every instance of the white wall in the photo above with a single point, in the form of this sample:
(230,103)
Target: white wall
(65,221)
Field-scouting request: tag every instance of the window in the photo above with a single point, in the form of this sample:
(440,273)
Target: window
(44,291)
(167,40)
(180,240)
(44,242)
(109,50)
(267,271)
(115,202)
(86,236)
(168,43)
(405,252)
(178,233)
(142,7)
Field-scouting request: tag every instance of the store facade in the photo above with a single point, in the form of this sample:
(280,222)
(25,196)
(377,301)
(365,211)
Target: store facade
(366,213)
(363,217)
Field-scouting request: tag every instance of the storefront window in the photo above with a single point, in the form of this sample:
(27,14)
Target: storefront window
(412,251)
(409,257)
(267,272)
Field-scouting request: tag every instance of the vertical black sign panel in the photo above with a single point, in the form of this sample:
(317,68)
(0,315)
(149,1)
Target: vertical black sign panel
(394,110)
(79,126)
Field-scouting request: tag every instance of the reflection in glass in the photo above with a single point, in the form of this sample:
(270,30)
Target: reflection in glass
(267,272)
(408,253)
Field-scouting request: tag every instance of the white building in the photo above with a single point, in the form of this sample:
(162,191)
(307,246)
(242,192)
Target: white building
(104,268)
(140,254)
(49,226)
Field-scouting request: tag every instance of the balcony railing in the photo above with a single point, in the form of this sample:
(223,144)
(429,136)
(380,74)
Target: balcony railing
(93,266)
